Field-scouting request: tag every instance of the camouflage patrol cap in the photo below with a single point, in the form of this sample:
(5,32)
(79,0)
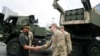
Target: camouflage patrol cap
(26,26)
(53,24)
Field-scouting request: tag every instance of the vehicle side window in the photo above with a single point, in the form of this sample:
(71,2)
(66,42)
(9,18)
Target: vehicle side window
(22,20)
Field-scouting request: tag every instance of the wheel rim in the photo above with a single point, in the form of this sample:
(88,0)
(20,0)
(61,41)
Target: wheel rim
(14,48)
(95,51)
(75,51)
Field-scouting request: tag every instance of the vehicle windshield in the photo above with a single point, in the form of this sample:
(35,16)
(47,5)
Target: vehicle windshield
(22,20)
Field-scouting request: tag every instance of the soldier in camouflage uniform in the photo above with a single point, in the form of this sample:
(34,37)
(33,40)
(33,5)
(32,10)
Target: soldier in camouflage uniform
(31,37)
(67,39)
(57,41)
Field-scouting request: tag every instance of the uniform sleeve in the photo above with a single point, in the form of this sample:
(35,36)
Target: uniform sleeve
(69,43)
(22,40)
(31,35)
(48,44)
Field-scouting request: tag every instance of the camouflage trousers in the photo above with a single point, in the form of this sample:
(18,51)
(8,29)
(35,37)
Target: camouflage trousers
(59,52)
(60,55)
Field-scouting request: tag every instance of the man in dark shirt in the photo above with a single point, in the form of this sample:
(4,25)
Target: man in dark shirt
(24,42)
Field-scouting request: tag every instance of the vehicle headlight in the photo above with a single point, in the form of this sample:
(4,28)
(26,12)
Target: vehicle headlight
(98,38)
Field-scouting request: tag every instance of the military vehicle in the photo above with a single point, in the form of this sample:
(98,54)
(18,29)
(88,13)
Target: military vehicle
(84,26)
(11,28)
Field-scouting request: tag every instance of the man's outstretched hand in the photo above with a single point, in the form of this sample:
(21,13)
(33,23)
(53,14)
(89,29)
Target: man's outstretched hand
(37,48)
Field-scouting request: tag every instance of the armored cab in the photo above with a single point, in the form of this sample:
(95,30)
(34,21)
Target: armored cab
(84,26)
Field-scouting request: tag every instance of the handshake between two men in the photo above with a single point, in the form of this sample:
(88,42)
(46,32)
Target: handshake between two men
(37,48)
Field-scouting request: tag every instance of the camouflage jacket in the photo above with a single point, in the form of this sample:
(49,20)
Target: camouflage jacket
(68,41)
(58,44)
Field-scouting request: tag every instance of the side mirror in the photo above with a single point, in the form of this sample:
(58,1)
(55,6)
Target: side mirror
(31,19)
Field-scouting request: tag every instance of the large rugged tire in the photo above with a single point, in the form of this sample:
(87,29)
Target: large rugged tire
(93,49)
(12,47)
(76,49)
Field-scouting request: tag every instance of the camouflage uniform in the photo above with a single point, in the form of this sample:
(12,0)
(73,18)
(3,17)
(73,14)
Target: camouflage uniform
(68,42)
(58,44)
(30,35)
